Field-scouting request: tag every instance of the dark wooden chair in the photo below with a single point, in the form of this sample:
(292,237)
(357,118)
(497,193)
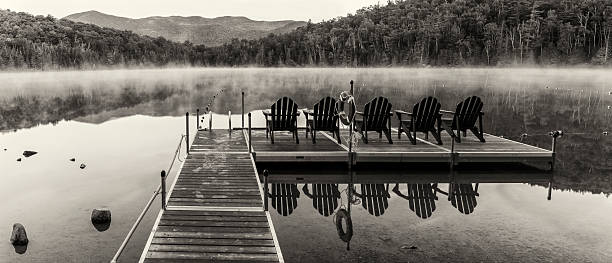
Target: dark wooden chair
(325,197)
(423,118)
(421,198)
(464,198)
(464,118)
(374,198)
(282,117)
(324,118)
(283,198)
(375,117)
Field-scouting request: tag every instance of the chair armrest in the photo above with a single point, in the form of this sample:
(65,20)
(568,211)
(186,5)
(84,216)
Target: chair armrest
(266,112)
(358,113)
(307,111)
(399,112)
(447,112)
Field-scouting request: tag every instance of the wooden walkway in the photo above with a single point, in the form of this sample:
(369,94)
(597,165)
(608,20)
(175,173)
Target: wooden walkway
(214,211)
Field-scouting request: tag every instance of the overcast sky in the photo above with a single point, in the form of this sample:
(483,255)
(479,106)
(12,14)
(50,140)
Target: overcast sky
(316,10)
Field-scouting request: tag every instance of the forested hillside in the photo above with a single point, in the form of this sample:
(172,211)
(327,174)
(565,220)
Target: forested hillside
(442,32)
(399,33)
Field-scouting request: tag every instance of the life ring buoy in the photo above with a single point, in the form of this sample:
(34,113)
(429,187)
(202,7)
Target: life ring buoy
(347,234)
(346,108)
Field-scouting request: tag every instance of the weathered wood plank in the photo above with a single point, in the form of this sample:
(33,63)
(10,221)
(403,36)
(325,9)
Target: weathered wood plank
(212,249)
(214,242)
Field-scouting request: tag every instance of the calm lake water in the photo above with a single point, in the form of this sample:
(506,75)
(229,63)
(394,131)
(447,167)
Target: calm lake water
(125,125)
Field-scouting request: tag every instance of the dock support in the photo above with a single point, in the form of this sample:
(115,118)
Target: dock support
(242,110)
(451,176)
(187,131)
(352,94)
(549,190)
(210,120)
(197,119)
(163,189)
(554,135)
(229,118)
(265,174)
(250,135)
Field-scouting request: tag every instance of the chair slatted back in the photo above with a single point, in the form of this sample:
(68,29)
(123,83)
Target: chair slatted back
(325,198)
(374,198)
(284,114)
(284,198)
(464,198)
(422,199)
(426,113)
(325,111)
(377,113)
(467,113)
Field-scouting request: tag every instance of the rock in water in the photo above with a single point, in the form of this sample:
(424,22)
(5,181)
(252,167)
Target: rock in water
(29,153)
(83,166)
(19,236)
(19,159)
(100,216)
(72,159)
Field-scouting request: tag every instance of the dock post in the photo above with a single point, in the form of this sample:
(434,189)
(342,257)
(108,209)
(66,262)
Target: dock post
(187,131)
(229,117)
(451,176)
(250,133)
(242,110)
(265,174)
(352,94)
(163,189)
(554,135)
(197,119)
(549,189)
(210,120)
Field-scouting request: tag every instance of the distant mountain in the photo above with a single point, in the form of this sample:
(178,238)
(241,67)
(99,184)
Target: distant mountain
(196,29)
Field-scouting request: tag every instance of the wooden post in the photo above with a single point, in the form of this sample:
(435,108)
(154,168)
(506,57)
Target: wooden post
(549,189)
(554,135)
(265,174)
(451,175)
(250,133)
(352,94)
(242,110)
(197,119)
(210,120)
(187,131)
(163,189)
(229,117)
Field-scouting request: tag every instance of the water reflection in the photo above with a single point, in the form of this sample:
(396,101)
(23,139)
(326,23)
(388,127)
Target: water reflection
(325,197)
(421,198)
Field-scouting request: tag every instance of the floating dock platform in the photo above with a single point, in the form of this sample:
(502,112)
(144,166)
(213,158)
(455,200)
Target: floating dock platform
(215,207)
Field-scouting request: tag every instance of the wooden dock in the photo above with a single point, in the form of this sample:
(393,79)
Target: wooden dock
(214,210)
(215,205)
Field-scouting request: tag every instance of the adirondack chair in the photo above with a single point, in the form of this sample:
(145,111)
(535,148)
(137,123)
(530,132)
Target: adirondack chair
(324,118)
(375,117)
(283,198)
(374,198)
(282,117)
(421,198)
(423,118)
(464,118)
(462,197)
(324,197)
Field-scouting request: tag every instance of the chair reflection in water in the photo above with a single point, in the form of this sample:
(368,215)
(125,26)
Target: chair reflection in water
(325,197)
(421,198)
(374,198)
(462,197)
(283,198)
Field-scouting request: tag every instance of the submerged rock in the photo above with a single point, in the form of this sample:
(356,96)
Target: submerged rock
(19,236)
(19,159)
(29,153)
(72,159)
(83,166)
(408,247)
(100,216)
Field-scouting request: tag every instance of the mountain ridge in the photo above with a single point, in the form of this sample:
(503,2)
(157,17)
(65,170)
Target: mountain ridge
(195,29)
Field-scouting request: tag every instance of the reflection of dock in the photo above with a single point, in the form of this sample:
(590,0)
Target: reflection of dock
(214,211)
(470,150)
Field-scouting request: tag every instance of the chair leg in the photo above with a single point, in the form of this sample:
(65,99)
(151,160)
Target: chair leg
(388,135)
(297,139)
(399,132)
(338,136)
(272,136)
(412,139)
(436,135)
(365,136)
(314,137)
(379,135)
(478,134)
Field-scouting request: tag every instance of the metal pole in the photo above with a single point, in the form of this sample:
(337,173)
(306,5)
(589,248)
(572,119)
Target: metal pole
(163,189)
(265,174)
(197,119)
(243,110)
(187,131)
(250,133)
(229,117)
